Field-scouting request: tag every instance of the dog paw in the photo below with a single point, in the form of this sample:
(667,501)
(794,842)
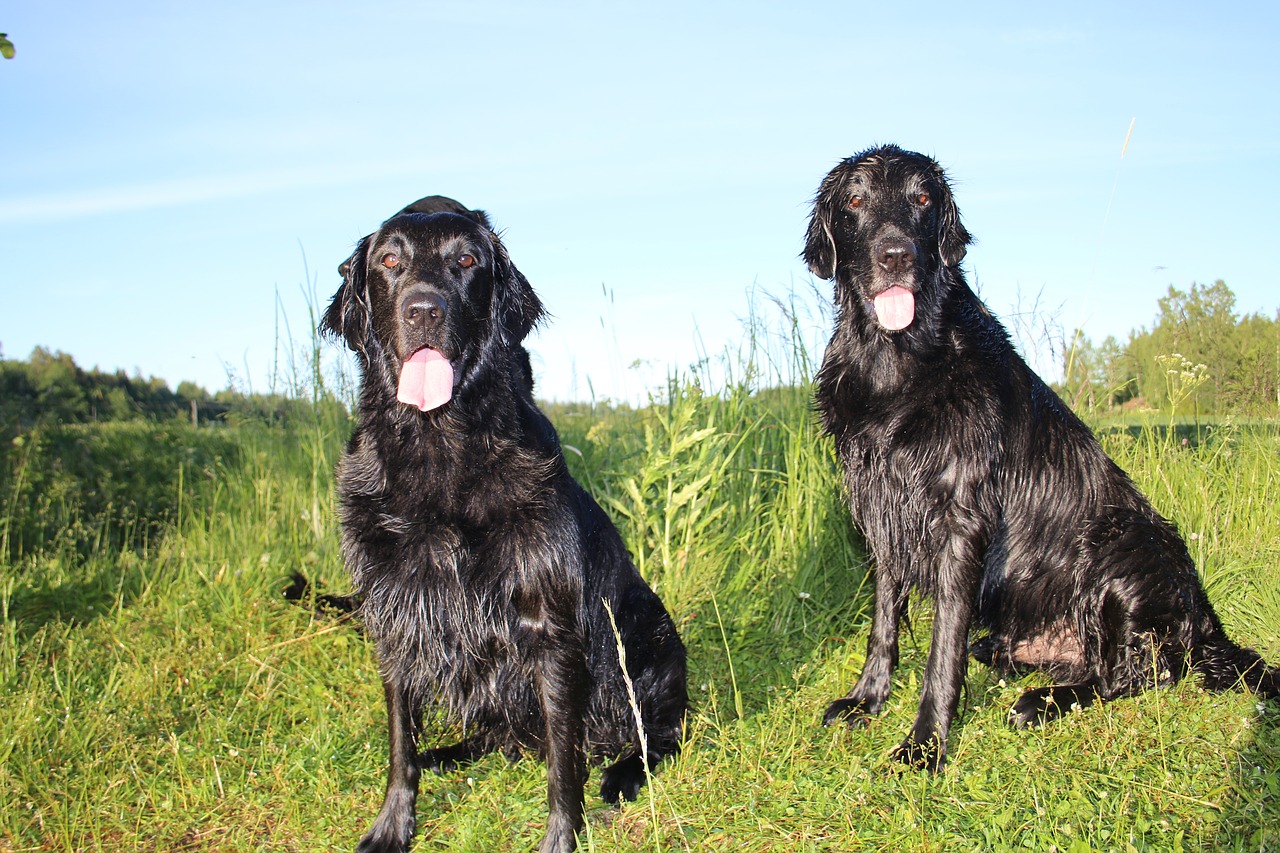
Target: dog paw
(930,754)
(438,761)
(560,837)
(985,650)
(382,839)
(622,780)
(1033,708)
(1044,705)
(856,713)
(393,828)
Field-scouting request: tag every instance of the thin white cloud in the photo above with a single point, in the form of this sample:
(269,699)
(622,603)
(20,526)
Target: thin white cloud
(61,206)
(54,207)
(1039,36)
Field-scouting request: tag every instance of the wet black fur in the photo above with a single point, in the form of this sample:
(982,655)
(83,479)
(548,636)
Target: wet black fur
(972,482)
(301,591)
(483,569)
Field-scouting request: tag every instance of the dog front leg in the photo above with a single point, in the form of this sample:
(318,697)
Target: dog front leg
(394,825)
(563,693)
(868,696)
(925,746)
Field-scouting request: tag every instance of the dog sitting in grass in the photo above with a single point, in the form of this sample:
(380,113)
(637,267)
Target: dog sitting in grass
(975,484)
(492,584)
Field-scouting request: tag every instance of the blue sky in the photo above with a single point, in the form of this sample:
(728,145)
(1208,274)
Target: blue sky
(175,179)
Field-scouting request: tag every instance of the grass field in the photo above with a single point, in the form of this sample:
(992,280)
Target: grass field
(159,695)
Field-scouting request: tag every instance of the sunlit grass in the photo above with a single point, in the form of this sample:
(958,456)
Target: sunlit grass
(159,695)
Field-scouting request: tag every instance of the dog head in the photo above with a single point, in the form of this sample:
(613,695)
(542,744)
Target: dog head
(431,204)
(431,297)
(884,223)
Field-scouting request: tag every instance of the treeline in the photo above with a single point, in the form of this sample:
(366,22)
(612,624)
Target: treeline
(1200,356)
(49,388)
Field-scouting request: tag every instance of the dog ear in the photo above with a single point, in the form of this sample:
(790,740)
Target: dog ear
(819,241)
(516,309)
(952,235)
(348,315)
(480,217)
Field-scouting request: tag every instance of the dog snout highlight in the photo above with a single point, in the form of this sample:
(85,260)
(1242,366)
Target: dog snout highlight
(896,255)
(423,310)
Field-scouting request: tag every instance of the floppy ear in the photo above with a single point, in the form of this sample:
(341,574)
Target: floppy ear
(819,242)
(347,316)
(516,309)
(952,235)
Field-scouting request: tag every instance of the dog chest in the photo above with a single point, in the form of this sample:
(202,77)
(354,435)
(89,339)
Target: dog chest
(445,630)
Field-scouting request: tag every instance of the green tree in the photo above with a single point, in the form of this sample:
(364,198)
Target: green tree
(1255,384)
(1241,354)
(57,383)
(1201,325)
(1097,377)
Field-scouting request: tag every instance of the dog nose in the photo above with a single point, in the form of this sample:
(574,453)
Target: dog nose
(897,256)
(424,310)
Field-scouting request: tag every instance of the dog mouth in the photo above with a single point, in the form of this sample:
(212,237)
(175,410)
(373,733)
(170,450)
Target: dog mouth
(894,307)
(426,380)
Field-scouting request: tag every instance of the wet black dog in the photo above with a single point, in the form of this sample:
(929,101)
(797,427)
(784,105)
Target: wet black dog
(974,483)
(485,574)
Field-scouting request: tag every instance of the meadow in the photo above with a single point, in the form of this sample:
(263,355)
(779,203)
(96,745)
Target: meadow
(160,694)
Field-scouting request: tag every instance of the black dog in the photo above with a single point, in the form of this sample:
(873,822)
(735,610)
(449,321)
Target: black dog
(299,589)
(974,483)
(486,574)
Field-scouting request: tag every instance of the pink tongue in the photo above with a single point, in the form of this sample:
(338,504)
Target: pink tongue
(426,380)
(895,308)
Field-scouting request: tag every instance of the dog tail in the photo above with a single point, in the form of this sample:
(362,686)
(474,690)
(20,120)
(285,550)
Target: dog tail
(1224,665)
(301,590)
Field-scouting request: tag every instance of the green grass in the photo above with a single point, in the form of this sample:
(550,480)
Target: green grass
(159,695)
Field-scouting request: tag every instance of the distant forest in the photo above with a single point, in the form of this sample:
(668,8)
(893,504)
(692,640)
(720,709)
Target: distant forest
(50,388)
(1200,355)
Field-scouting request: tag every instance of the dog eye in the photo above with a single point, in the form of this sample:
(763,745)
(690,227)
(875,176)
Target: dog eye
(923,199)
(390,260)
(854,202)
(466,261)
